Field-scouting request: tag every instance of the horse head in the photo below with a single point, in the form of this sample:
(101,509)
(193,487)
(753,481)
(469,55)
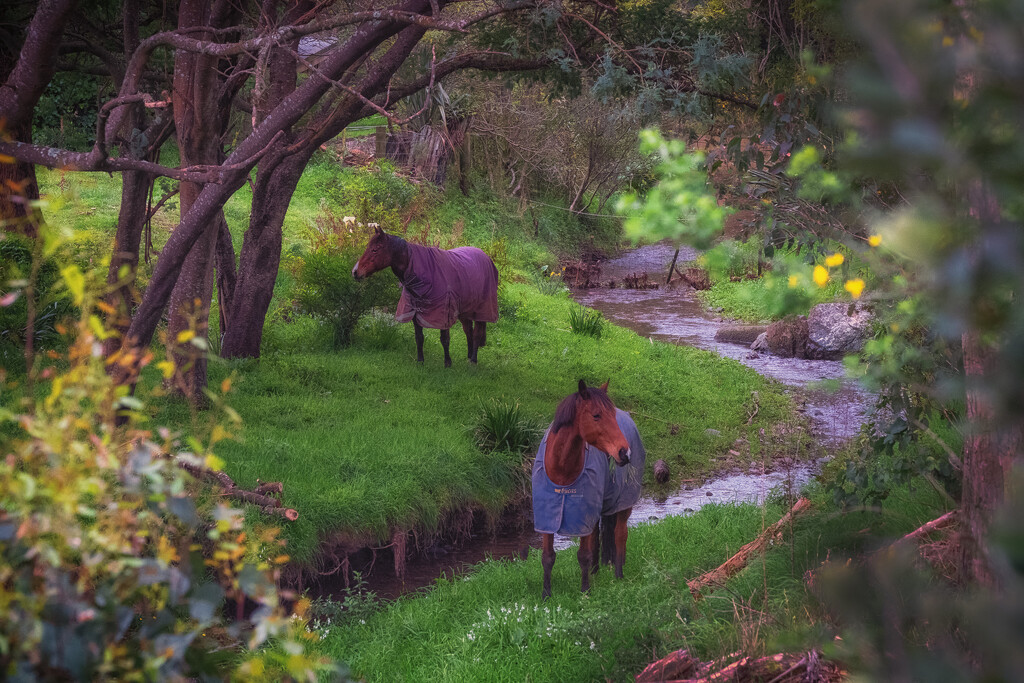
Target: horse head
(379,254)
(596,423)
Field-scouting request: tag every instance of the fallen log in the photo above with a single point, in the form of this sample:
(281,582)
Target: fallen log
(718,576)
(270,506)
(812,576)
(269,487)
(935,525)
(784,667)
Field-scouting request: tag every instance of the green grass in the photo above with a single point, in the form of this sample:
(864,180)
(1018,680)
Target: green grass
(491,625)
(366,440)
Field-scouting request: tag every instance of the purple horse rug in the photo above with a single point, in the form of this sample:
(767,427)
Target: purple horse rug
(603,488)
(442,286)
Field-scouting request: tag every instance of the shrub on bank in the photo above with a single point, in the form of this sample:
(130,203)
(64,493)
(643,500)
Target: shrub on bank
(110,568)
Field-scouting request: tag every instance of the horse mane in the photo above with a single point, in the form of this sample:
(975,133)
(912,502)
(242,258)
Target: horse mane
(565,413)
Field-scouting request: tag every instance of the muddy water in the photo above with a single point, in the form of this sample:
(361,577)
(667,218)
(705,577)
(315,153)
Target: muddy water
(834,405)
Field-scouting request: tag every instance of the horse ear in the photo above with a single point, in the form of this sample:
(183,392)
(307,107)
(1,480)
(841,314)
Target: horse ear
(604,387)
(377,230)
(584,392)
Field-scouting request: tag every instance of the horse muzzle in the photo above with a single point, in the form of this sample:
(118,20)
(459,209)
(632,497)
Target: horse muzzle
(623,458)
(355,272)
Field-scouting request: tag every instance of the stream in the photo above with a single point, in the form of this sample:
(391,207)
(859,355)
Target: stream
(834,405)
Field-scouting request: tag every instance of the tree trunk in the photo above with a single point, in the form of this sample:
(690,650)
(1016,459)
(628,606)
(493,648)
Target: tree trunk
(124,261)
(260,257)
(212,198)
(199,124)
(18,187)
(227,276)
(989,452)
(275,185)
(24,75)
(990,447)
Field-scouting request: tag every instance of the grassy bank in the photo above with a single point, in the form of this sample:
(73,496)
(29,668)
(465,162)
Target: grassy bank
(364,439)
(491,625)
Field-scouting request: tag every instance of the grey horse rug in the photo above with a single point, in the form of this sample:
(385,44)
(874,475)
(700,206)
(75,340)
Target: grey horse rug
(603,488)
(442,286)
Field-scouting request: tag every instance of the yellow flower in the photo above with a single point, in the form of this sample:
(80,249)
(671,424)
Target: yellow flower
(875,240)
(834,260)
(855,287)
(793,281)
(947,41)
(820,276)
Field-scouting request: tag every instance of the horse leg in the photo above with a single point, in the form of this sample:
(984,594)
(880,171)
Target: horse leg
(446,337)
(419,341)
(467,327)
(621,531)
(585,554)
(595,559)
(608,539)
(547,560)
(481,333)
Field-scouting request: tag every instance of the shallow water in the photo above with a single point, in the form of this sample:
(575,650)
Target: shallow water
(670,314)
(835,405)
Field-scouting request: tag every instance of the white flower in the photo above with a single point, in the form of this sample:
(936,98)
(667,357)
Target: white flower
(348,219)
(593,645)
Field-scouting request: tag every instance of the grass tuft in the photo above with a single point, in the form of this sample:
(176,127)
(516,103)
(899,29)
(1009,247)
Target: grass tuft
(503,427)
(583,320)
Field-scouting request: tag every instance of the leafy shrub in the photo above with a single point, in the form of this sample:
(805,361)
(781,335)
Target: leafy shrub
(376,195)
(324,286)
(503,427)
(356,603)
(583,320)
(110,569)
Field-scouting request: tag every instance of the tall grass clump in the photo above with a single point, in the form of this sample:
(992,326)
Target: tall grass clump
(503,427)
(583,320)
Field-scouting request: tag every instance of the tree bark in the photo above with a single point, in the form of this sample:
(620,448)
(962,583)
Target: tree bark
(25,76)
(261,250)
(227,276)
(989,452)
(199,124)
(18,187)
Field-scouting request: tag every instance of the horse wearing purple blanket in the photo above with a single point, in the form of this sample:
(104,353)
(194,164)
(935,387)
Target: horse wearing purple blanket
(439,287)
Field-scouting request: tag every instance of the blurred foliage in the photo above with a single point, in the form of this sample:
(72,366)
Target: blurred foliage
(111,566)
(902,622)
(680,206)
